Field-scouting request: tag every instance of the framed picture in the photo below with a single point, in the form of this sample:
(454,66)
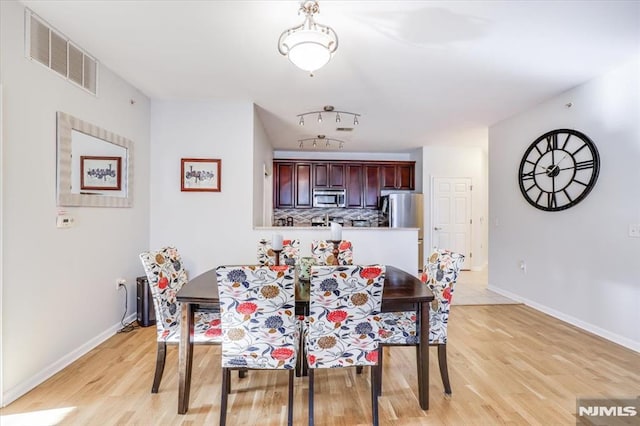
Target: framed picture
(200,174)
(101,173)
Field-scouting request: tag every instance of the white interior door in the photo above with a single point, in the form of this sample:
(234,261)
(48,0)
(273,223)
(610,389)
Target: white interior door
(451,218)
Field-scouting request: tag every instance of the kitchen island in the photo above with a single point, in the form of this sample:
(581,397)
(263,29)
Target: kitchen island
(390,246)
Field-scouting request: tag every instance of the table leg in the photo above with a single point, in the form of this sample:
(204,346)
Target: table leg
(423,355)
(185,357)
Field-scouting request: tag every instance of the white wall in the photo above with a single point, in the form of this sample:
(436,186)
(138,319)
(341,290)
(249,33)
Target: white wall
(582,266)
(208,228)
(59,296)
(455,161)
(262,182)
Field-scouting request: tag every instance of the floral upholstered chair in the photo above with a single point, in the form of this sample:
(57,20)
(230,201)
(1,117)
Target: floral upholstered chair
(399,328)
(259,325)
(166,275)
(323,252)
(289,256)
(342,326)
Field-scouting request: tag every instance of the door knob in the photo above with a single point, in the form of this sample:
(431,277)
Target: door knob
(437,229)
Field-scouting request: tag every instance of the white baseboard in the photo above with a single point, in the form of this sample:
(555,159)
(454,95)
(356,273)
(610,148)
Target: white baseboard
(17,391)
(616,338)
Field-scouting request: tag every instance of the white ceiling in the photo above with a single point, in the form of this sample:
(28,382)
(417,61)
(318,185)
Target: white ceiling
(419,72)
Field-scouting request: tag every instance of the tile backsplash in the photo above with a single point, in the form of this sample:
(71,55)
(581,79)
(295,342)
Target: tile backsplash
(303,217)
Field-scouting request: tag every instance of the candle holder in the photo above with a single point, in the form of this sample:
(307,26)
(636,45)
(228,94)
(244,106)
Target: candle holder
(277,252)
(336,250)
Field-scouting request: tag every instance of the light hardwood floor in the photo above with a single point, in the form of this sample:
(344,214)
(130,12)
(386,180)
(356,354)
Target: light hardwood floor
(508,364)
(472,289)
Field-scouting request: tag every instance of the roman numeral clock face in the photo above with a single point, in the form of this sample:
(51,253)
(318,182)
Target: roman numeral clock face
(559,170)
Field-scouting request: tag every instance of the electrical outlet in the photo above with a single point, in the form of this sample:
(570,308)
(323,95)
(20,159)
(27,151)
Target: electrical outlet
(634,231)
(120,282)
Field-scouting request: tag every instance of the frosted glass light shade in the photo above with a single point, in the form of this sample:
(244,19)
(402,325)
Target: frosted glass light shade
(309,49)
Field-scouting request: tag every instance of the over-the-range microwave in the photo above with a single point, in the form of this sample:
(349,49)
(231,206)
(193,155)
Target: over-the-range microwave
(329,197)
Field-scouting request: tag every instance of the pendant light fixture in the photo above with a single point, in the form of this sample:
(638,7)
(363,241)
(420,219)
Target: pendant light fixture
(310,45)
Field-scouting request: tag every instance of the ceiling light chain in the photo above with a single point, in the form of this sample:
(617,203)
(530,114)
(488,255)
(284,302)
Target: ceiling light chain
(310,45)
(327,141)
(326,109)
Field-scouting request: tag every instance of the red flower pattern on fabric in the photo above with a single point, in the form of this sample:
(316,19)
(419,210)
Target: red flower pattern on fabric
(163,283)
(337,316)
(282,354)
(311,359)
(447,294)
(247,308)
(370,273)
(213,332)
(344,245)
(215,323)
(279,268)
(372,356)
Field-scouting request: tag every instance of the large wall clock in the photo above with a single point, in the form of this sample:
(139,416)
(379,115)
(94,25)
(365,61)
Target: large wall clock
(558,170)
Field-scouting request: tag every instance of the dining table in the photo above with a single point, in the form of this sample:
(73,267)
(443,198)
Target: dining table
(402,292)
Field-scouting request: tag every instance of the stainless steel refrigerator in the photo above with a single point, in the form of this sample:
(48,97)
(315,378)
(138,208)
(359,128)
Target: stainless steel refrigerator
(405,210)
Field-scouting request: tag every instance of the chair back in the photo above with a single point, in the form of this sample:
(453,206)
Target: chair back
(257,309)
(440,274)
(323,252)
(166,276)
(290,252)
(342,328)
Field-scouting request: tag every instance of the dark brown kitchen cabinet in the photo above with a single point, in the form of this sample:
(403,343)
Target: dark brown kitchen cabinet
(294,180)
(292,185)
(328,175)
(405,176)
(397,176)
(354,186)
(303,185)
(283,185)
(371,190)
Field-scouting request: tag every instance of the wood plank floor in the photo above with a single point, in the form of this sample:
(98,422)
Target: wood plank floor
(508,364)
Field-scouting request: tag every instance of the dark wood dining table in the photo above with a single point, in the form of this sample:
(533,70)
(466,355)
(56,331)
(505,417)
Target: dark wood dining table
(402,292)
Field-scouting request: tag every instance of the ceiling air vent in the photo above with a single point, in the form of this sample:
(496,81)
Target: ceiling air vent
(344,129)
(55,51)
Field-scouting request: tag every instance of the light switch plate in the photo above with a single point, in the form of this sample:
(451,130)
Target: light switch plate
(634,231)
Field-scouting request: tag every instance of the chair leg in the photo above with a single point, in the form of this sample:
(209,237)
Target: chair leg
(290,406)
(374,393)
(311,397)
(160,358)
(444,371)
(359,369)
(242,373)
(226,378)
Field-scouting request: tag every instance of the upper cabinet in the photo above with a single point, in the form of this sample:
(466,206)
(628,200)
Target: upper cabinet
(354,186)
(295,180)
(397,176)
(284,186)
(328,175)
(292,185)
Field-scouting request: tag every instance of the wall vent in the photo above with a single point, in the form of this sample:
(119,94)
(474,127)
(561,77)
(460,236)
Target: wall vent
(52,49)
(344,129)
